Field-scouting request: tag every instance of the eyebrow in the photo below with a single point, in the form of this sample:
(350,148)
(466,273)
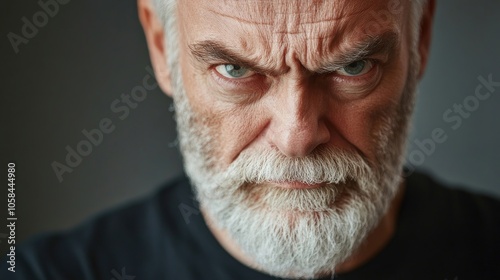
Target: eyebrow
(384,43)
(210,51)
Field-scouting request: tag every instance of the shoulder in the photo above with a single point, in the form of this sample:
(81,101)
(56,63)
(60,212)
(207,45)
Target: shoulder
(459,229)
(442,232)
(114,242)
(457,204)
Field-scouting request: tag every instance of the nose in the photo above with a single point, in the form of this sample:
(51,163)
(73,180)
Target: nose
(299,120)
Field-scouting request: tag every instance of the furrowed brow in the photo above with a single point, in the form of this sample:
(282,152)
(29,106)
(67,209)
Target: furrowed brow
(209,52)
(385,43)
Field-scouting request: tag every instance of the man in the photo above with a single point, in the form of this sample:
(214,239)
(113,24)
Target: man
(292,120)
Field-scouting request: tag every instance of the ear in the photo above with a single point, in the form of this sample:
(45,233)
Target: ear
(153,29)
(424,43)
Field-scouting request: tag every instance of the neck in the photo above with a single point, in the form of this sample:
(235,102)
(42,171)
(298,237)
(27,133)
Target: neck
(375,241)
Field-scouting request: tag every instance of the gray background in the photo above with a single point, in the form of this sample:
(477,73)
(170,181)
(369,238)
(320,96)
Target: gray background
(90,52)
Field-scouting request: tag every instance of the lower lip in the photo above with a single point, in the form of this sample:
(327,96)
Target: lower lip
(296,185)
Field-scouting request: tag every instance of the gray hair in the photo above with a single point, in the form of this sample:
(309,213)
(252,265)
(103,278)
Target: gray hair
(166,10)
(417,9)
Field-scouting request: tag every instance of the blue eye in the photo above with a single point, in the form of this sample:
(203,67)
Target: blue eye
(233,71)
(357,68)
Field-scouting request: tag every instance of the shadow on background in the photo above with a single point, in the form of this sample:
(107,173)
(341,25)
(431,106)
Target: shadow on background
(73,77)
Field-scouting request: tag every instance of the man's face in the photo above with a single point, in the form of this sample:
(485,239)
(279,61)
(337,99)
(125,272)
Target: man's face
(292,99)
(292,117)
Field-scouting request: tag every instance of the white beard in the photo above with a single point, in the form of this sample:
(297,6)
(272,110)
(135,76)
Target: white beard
(300,233)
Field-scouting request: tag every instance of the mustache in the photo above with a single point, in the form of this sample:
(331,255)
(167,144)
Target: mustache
(247,179)
(325,165)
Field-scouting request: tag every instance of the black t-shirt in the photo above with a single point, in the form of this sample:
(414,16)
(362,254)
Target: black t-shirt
(442,234)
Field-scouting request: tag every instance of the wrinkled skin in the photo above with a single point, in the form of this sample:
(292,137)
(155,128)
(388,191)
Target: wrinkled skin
(295,95)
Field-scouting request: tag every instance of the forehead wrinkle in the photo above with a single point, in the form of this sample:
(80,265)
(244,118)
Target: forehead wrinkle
(266,47)
(313,37)
(239,19)
(287,16)
(309,43)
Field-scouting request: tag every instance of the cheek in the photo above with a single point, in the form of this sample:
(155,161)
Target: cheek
(242,128)
(357,123)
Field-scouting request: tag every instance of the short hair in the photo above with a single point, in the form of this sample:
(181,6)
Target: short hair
(166,11)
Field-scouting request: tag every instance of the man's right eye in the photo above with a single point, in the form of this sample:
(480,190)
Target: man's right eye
(233,71)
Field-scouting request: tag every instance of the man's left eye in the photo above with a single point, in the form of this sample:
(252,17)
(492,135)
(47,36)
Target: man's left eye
(233,71)
(357,68)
